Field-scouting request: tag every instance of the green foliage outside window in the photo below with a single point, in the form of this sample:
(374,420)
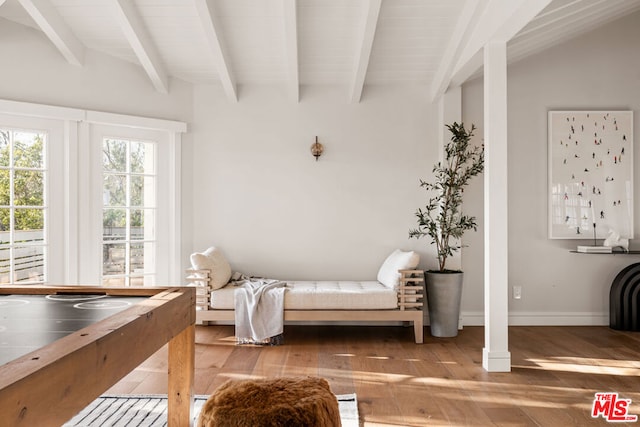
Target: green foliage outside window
(28,184)
(115,167)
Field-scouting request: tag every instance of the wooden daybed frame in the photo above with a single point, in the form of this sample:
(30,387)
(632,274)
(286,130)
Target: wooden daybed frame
(410,302)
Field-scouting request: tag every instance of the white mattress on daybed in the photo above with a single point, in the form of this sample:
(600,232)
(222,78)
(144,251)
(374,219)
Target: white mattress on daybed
(322,295)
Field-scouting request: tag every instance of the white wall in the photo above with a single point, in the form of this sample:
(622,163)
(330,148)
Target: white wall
(33,70)
(261,197)
(598,71)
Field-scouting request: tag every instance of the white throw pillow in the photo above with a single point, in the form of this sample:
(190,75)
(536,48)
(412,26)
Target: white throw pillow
(212,259)
(398,260)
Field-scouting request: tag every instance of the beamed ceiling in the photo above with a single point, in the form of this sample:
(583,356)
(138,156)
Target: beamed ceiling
(296,43)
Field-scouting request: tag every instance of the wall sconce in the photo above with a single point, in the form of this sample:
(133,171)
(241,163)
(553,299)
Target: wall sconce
(316,149)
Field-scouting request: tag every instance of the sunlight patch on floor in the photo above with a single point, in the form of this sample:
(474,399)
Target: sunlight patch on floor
(416,422)
(221,341)
(503,393)
(585,366)
(379,357)
(600,362)
(379,424)
(369,376)
(231,376)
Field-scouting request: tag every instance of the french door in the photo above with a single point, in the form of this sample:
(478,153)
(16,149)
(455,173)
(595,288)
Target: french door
(31,200)
(131,173)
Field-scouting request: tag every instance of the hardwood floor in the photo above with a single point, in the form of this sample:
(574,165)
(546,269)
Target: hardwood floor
(555,372)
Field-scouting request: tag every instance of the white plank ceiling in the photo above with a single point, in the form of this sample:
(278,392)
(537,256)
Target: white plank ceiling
(294,43)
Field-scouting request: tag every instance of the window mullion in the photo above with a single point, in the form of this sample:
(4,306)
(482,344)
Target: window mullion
(12,252)
(128,232)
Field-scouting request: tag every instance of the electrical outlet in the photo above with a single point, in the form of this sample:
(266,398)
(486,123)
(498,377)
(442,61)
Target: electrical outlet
(517,292)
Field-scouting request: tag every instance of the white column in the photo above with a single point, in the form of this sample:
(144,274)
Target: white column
(495,355)
(452,106)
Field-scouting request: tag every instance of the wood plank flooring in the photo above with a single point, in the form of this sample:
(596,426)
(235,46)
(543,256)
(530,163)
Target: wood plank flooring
(556,372)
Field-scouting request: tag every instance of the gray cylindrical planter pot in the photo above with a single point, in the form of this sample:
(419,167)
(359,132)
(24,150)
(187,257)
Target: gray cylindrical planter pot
(444,292)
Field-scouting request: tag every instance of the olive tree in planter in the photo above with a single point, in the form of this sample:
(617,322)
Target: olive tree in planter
(444,223)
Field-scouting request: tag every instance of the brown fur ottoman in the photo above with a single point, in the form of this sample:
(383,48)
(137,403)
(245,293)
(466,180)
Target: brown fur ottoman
(298,401)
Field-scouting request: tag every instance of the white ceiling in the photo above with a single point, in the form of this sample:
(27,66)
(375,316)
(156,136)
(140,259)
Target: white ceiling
(349,43)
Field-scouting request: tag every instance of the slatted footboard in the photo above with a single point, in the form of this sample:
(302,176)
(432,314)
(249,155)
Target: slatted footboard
(410,303)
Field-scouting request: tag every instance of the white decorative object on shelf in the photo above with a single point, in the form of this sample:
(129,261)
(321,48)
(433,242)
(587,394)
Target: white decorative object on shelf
(613,240)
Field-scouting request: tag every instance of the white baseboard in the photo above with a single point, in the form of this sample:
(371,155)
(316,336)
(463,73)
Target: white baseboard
(476,318)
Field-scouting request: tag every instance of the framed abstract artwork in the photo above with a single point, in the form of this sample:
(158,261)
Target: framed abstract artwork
(590,174)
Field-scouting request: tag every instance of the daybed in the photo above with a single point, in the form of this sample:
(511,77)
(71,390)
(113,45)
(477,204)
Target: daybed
(396,296)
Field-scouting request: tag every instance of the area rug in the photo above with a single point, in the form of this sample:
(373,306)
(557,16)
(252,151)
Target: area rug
(151,411)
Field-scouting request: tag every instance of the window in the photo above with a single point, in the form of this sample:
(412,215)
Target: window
(131,205)
(88,197)
(129,212)
(23,209)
